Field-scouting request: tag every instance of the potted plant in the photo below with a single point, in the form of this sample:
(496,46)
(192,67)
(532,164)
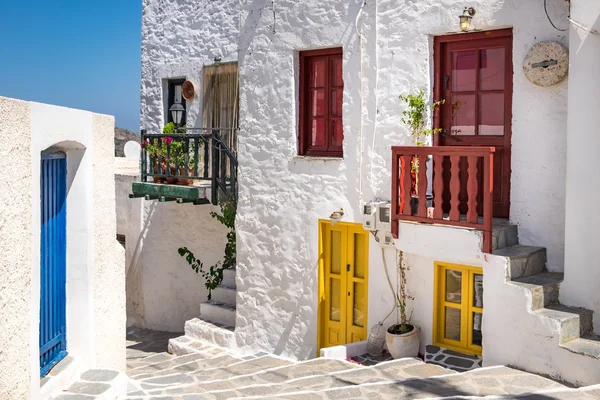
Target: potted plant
(416,118)
(175,147)
(153,150)
(402,338)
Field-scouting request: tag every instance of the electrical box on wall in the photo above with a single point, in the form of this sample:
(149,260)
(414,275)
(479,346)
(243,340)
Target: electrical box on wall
(384,217)
(386,239)
(369,212)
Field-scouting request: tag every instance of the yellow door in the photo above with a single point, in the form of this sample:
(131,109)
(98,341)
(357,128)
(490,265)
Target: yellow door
(343,283)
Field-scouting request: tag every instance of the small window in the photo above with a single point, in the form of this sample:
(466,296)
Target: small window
(174,96)
(220,107)
(321,94)
(458,308)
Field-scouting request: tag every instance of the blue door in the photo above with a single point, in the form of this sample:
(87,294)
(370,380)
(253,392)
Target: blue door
(53,265)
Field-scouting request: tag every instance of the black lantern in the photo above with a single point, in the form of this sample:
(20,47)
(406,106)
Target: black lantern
(177,113)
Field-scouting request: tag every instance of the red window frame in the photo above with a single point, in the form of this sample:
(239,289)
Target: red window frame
(305,146)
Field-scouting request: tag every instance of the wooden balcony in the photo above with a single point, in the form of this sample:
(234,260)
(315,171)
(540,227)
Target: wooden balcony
(460,191)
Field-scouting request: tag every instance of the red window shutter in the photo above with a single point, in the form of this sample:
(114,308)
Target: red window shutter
(321,95)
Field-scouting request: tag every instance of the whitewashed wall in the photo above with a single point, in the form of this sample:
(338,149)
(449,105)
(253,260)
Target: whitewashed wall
(178,39)
(282,195)
(583,186)
(95,275)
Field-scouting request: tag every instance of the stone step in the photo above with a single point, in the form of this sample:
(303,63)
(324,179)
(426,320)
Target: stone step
(504,234)
(582,393)
(543,286)
(96,384)
(184,366)
(216,312)
(232,377)
(217,334)
(524,260)
(183,345)
(149,360)
(192,382)
(573,322)
(588,345)
(225,294)
(229,277)
(480,382)
(205,354)
(391,370)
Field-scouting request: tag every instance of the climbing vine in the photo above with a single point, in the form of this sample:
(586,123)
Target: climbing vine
(213,276)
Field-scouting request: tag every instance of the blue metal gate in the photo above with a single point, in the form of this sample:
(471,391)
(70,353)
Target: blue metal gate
(53,265)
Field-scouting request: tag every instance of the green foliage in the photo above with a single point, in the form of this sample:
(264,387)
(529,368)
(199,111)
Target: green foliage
(214,275)
(415,116)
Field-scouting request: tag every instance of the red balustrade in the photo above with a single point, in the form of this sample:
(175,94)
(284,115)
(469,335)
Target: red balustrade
(462,187)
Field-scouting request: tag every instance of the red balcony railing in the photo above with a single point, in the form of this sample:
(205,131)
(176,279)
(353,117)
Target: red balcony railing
(460,193)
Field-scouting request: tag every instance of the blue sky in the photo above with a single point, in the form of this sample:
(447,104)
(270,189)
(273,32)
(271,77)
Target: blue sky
(76,53)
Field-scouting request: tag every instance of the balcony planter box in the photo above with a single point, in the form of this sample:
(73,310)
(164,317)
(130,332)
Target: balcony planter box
(172,180)
(403,345)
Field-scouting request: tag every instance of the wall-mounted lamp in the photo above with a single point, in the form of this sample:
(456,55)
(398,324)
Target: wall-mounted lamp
(177,113)
(336,216)
(465,18)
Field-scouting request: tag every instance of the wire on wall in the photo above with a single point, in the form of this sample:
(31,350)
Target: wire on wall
(585,28)
(274,16)
(550,19)
(362,151)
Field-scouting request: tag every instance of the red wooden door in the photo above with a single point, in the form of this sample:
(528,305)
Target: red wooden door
(474,76)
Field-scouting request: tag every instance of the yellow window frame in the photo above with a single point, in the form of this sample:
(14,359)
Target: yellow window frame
(466,307)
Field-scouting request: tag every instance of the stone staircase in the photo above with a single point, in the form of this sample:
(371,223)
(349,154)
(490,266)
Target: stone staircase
(571,327)
(216,323)
(216,373)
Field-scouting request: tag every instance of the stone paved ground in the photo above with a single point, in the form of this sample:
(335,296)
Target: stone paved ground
(145,342)
(214,373)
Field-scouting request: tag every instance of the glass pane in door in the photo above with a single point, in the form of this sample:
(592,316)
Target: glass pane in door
(491,72)
(491,114)
(336,293)
(478,290)
(359,306)
(359,256)
(463,114)
(464,71)
(477,335)
(336,252)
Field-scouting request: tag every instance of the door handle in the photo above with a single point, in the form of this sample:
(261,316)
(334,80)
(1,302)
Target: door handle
(450,137)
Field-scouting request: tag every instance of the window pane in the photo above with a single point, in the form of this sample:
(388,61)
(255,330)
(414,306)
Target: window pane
(318,102)
(491,114)
(336,287)
(318,73)
(359,308)
(359,256)
(452,325)
(336,102)
(491,69)
(318,132)
(477,335)
(337,72)
(478,290)
(336,252)
(453,286)
(463,114)
(464,70)
(338,132)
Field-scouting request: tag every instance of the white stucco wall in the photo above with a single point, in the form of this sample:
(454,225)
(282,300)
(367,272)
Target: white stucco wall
(163,291)
(95,273)
(178,39)
(282,195)
(582,273)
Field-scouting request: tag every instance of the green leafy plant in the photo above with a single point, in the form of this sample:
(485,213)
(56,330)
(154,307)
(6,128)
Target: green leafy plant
(415,116)
(403,326)
(213,276)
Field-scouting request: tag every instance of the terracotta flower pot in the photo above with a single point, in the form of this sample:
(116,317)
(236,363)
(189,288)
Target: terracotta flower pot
(185,181)
(404,345)
(172,180)
(157,179)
